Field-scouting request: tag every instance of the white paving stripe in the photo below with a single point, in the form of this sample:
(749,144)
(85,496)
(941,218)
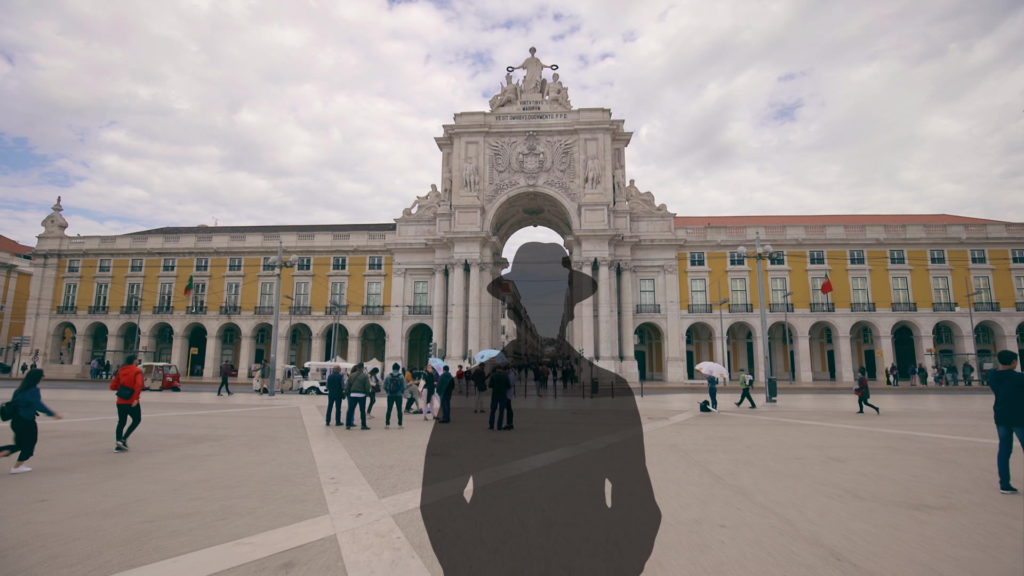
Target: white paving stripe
(231,554)
(864,428)
(369,538)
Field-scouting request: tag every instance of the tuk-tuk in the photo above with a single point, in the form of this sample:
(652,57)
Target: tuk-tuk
(161,376)
(316,382)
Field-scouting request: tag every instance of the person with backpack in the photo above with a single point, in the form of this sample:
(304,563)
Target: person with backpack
(713,392)
(129,376)
(746,381)
(864,393)
(394,387)
(358,389)
(24,405)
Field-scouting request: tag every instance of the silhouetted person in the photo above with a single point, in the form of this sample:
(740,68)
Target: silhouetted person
(570,496)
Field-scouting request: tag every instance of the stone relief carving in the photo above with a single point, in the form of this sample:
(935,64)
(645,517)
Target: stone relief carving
(424,206)
(514,162)
(471,177)
(592,178)
(642,201)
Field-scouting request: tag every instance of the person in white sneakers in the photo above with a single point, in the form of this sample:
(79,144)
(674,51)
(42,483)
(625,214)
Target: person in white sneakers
(26,401)
(746,381)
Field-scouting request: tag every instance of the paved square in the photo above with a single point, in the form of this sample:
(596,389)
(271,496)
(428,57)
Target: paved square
(254,485)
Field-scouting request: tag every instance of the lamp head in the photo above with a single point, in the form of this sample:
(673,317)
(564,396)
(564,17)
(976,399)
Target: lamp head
(767,248)
(742,250)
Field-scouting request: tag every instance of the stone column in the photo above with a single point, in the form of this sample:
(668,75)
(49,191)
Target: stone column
(211,364)
(883,355)
(604,312)
(316,347)
(627,306)
(438,311)
(802,345)
(475,308)
(179,351)
(457,318)
(78,358)
(675,342)
(245,348)
(844,363)
(586,320)
(393,344)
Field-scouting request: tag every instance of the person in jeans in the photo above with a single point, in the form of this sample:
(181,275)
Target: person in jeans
(374,388)
(335,394)
(27,401)
(129,375)
(479,378)
(746,381)
(394,387)
(445,387)
(224,369)
(500,385)
(1008,386)
(358,389)
(713,392)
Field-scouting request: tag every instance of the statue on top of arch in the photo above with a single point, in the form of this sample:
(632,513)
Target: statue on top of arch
(426,205)
(534,89)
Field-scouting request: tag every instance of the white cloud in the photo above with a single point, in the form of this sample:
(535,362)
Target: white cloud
(160,114)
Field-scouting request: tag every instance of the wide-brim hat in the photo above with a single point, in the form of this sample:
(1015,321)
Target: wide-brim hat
(539,261)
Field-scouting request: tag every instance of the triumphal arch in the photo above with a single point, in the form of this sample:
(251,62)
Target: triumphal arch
(533,159)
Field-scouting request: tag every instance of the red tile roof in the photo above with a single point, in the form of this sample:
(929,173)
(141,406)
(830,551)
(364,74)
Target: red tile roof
(12,247)
(826,219)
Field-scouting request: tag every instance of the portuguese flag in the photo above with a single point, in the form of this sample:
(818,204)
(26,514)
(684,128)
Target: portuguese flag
(826,286)
(188,287)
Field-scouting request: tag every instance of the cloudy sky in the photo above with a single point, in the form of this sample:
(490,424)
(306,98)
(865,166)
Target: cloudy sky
(230,112)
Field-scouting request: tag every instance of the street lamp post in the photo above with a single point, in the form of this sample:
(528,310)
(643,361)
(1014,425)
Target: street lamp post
(761,255)
(336,308)
(970,315)
(278,262)
(288,332)
(137,299)
(721,331)
(785,321)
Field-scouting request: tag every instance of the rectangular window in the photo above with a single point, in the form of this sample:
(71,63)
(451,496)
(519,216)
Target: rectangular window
(857,258)
(304,264)
(420,297)
(737,259)
(978,257)
(234,264)
(816,296)
(301,296)
(900,289)
(74,266)
(202,264)
(696,259)
(983,286)
(170,265)
(1017,256)
(937,256)
(106,264)
(70,295)
(698,291)
(897,257)
(136,265)
(339,263)
(102,295)
(337,294)
(266,294)
(268,265)
(232,294)
(1018,286)
(375,263)
(777,258)
(165,299)
(199,295)
(738,291)
(647,294)
(859,287)
(134,294)
(940,290)
(780,287)
(816,257)
(374,296)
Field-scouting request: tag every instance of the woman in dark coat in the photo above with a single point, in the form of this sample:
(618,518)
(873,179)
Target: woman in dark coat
(27,403)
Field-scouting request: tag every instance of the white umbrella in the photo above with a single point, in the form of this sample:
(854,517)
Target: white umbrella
(437,363)
(713,369)
(490,354)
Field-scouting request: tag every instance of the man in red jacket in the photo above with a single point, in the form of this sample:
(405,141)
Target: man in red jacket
(129,375)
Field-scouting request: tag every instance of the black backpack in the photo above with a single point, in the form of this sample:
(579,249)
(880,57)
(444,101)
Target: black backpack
(393,384)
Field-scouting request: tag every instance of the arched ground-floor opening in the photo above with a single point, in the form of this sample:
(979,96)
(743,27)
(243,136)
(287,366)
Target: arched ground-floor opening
(740,349)
(417,348)
(372,343)
(195,352)
(300,345)
(862,349)
(649,351)
(904,349)
(822,351)
(700,347)
(62,343)
(335,338)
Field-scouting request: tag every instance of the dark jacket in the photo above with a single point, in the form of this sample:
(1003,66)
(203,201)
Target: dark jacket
(336,384)
(446,384)
(1008,386)
(28,402)
(499,383)
(359,383)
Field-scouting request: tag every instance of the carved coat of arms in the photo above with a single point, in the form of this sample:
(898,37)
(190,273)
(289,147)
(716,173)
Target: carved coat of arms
(549,161)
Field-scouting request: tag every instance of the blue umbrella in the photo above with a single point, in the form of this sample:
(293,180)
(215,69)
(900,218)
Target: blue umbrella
(437,363)
(490,354)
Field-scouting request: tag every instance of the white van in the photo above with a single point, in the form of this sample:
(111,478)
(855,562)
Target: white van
(316,382)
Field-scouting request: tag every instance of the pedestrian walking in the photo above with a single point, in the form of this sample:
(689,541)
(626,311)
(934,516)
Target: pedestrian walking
(480,384)
(922,374)
(429,389)
(394,387)
(129,376)
(26,402)
(225,368)
(460,380)
(513,380)
(24,368)
(967,372)
(713,392)
(1007,384)
(445,387)
(894,374)
(374,388)
(746,381)
(953,375)
(335,394)
(864,393)
(358,389)
(499,384)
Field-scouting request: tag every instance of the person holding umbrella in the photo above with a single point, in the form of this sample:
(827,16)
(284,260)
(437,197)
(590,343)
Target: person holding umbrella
(713,371)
